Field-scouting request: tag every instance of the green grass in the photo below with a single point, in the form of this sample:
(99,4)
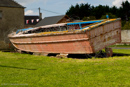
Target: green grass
(23,70)
(122,51)
(125,46)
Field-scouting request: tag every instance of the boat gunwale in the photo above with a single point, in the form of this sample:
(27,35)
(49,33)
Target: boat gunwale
(118,19)
(44,35)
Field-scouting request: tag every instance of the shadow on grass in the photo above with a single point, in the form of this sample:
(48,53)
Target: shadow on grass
(89,56)
(79,56)
(16,67)
(120,54)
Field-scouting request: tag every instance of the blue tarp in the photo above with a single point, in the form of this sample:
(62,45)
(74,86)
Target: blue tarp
(86,22)
(20,30)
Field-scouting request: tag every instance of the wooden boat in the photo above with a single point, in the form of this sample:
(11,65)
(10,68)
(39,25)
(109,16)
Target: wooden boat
(69,38)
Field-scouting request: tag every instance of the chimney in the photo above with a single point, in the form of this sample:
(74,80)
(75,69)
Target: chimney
(40,14)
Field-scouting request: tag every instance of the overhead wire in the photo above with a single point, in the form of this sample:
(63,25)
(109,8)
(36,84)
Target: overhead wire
(50,11)
(43,10)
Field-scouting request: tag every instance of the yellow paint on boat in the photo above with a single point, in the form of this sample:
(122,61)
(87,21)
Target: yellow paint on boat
(91,26)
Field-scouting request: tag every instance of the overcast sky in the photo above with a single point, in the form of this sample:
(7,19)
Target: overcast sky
(59,7)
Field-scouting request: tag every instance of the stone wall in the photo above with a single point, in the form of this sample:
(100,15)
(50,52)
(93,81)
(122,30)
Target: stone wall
(125,36)
(12,19)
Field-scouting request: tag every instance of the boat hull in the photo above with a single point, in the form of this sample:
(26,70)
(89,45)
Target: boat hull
(82,42)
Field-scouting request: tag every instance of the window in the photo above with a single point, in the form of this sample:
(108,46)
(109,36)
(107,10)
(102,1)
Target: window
(0,14)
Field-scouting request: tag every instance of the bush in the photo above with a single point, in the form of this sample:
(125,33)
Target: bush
(110,16)
(89,18)
(125,26)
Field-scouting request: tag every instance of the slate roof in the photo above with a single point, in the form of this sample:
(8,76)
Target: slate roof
(10,3)
(49,20)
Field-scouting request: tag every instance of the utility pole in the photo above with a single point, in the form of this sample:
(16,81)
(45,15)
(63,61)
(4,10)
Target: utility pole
(39,10)
(40,14)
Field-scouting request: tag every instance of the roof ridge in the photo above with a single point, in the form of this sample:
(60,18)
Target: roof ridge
(55,16)
(17,3)
(10,3)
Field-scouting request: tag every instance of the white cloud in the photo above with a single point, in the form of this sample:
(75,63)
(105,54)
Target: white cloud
(30,12)
(118,2)
(81,1)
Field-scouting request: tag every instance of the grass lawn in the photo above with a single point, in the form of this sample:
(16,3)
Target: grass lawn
(124,46)
(23,70)
(122,51)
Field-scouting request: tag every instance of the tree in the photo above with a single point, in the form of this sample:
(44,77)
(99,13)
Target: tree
(125,9)
(80,11)
(71,11)
(114,10)
(100,10)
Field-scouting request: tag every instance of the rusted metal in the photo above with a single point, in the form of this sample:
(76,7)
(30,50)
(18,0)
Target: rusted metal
(109,52)
(85,41)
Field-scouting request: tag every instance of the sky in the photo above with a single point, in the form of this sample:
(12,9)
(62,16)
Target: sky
(60,7)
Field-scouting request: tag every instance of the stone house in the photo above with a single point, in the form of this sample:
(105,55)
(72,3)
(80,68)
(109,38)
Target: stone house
(11,19)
